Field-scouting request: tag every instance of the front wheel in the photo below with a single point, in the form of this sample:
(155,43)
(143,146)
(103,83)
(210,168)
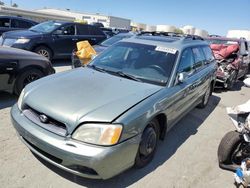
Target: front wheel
(44,51)
(148,144)
(27,77)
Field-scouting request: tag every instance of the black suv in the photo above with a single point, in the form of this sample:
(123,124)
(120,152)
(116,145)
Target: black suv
(53,39)
(9,23)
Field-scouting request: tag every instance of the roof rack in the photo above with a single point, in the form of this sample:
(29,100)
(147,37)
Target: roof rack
(170,34)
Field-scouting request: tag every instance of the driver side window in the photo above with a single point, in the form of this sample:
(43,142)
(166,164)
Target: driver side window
(68,30)
(186,61)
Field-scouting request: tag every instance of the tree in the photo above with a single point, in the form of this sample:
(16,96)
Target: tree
(1,3)
(178,31)
(14,5)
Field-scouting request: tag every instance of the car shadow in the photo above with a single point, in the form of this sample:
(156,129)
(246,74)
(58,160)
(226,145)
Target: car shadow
(7,100)
(237,87)
(187,127)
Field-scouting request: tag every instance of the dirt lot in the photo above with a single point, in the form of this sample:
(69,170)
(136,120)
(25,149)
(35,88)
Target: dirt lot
(186,158)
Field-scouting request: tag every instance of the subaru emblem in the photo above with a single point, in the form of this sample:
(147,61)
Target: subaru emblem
(43,118)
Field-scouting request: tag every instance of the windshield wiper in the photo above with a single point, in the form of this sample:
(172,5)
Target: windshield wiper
(129,76)
(97,68)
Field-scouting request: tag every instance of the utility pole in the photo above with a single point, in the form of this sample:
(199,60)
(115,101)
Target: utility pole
(11,3)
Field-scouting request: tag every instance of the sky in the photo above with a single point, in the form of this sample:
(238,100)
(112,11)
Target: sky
(215,16)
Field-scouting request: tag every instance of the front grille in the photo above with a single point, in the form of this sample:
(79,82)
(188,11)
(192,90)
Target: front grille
(83,169)
(49,156)
(52,124)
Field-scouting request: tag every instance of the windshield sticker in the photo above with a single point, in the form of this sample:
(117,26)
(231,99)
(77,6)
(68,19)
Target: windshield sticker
(58,24)
(165,49)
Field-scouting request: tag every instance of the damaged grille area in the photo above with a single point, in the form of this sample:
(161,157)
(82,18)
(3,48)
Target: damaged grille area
(51,124)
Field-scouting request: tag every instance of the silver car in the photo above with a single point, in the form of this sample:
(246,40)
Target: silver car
(102,119)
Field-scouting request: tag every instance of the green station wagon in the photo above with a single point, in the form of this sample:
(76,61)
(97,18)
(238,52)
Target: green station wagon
(99,120)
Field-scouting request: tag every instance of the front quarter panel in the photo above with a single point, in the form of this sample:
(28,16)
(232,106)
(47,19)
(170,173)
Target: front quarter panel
(136,119)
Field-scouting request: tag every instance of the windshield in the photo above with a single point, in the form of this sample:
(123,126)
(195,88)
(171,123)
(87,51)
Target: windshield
(112,40)
(140,62)
(46,27)
(225,42)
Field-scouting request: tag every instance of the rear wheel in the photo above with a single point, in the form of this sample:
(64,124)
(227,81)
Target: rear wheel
(44,51)
(27,77)
(148,144)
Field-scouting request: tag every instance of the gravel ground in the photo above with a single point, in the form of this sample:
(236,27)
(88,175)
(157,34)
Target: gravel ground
(186,158)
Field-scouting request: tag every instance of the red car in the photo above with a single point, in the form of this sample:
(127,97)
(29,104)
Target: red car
(232,56)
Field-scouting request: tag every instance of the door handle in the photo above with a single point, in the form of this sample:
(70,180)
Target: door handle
(75,39)
(93,38)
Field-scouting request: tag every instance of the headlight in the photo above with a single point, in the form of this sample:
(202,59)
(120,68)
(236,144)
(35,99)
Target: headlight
(100,134)
(20,100)
(1,40)
(22,41)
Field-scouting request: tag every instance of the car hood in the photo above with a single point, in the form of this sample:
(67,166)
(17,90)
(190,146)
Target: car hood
(21,34)
(85,95)
(18,54)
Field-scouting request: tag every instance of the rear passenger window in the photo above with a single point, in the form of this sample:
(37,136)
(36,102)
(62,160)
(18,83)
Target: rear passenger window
(186,61)
(199,58)
(82,29)
(5,22)
(208,53)
(95,31)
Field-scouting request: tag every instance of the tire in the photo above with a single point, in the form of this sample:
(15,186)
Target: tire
(27,77)
(148,144)
(206,97)
(227,146)
(44,51)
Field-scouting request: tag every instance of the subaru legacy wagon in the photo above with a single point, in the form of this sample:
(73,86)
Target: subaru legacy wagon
(99,120)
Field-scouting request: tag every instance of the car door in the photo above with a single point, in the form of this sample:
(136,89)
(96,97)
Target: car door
(83,33)
(202,74)
(97,35)
(64,40)
(182,99)
(90,33)
(7,68)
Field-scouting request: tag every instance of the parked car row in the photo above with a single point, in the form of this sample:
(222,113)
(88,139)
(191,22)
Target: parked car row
(111,114)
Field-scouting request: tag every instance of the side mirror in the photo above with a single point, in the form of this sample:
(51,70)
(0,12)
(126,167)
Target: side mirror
(182,77)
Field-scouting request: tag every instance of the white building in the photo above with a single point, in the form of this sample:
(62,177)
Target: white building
(150,28)
(165,28)
(107,21)
(239,34)
(201,33)
(191,30)
(33,15)
(138,26)
(188,29)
